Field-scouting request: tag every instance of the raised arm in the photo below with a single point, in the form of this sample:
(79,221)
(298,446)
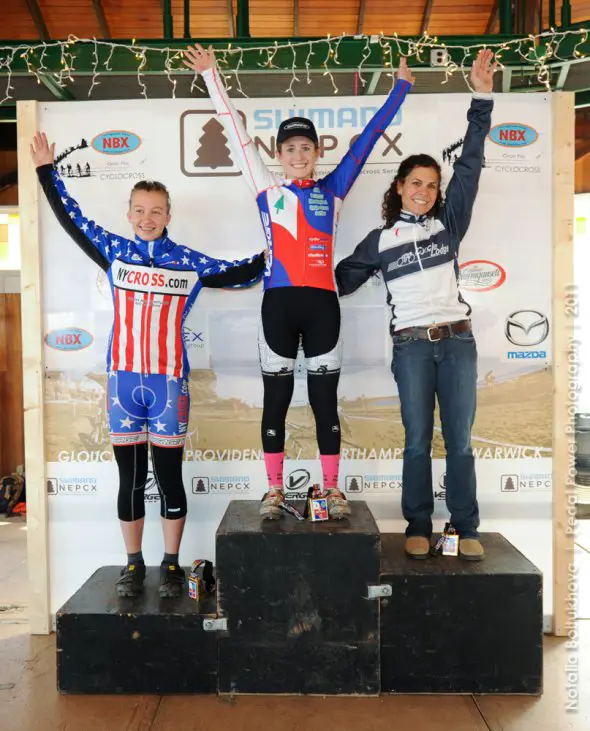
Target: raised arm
(340,180)
(219,273)
(354,271)
(257,175)
(95,242)
(464,184)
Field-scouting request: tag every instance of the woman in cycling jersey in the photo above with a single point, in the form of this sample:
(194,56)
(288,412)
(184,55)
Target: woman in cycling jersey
(434,351)
(299,216)
(154,283)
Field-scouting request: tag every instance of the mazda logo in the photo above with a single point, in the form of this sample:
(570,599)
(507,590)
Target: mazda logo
(526,328)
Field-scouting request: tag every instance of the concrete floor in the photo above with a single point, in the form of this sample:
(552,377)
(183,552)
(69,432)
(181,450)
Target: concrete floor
(29,701)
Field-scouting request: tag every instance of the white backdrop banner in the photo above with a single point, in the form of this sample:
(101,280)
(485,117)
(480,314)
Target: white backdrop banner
(104,148)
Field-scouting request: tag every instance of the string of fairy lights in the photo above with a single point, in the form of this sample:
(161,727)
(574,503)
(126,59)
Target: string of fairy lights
(538,52)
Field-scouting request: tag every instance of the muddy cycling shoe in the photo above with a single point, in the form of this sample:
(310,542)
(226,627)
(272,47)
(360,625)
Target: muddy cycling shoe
(131,582)
(171,580)
(270,507)
(338,506)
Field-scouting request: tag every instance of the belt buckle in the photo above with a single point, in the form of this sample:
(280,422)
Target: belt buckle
(432,340)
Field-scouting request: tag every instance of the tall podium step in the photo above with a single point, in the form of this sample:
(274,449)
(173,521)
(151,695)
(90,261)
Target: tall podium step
(147,645)
(294,596)
(453,626)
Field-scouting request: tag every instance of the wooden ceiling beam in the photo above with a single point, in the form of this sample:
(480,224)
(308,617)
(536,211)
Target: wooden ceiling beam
(493,19)
(101,17)
(38,20)
(230,19)
(426,15)
(361,18)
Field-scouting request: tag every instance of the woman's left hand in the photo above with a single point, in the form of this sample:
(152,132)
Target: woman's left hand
(482,71)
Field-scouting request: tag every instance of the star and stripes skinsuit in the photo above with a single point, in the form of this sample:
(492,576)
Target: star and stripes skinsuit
(153,285)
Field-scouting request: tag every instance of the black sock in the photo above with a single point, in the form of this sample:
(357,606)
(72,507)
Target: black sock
(133,558)
(170,558)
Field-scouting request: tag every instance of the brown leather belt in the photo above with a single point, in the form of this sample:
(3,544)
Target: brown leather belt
(435,332)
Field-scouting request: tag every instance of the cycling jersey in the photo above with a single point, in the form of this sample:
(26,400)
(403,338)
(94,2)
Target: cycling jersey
(418,255)
(153,284)
(299,216)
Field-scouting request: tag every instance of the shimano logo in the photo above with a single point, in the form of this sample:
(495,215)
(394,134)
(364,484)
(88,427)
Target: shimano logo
(321,117)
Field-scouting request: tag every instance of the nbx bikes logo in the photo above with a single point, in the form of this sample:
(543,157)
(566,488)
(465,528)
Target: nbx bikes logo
(525,329)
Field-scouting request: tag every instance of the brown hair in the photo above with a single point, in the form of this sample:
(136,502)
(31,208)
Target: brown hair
(392,200)
(151,186)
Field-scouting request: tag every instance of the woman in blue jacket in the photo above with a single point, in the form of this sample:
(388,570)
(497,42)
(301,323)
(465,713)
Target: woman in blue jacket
(434,351)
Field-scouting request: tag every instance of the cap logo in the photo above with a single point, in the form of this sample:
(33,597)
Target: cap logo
(294,125)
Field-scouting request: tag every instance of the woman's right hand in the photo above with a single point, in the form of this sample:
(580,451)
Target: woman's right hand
(404,71)
(198,59)
(41,151)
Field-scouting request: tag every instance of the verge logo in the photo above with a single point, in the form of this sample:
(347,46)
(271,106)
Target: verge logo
(297,483)
(441,494)
(151,493)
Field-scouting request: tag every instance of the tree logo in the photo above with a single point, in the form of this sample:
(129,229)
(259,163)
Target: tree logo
(509,483)
(204,147)
(353,483)
(212,149)
(200,485)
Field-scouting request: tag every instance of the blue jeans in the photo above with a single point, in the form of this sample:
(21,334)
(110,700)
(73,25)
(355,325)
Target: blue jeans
(447,368)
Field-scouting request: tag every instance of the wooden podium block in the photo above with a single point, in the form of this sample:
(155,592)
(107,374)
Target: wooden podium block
(106,644)
(454,626)
(294,594)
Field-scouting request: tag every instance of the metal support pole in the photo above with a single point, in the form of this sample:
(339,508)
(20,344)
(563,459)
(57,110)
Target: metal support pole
(552,13)
(243,19)
(187,18)
(167,13)
(505,7)
(566,14)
